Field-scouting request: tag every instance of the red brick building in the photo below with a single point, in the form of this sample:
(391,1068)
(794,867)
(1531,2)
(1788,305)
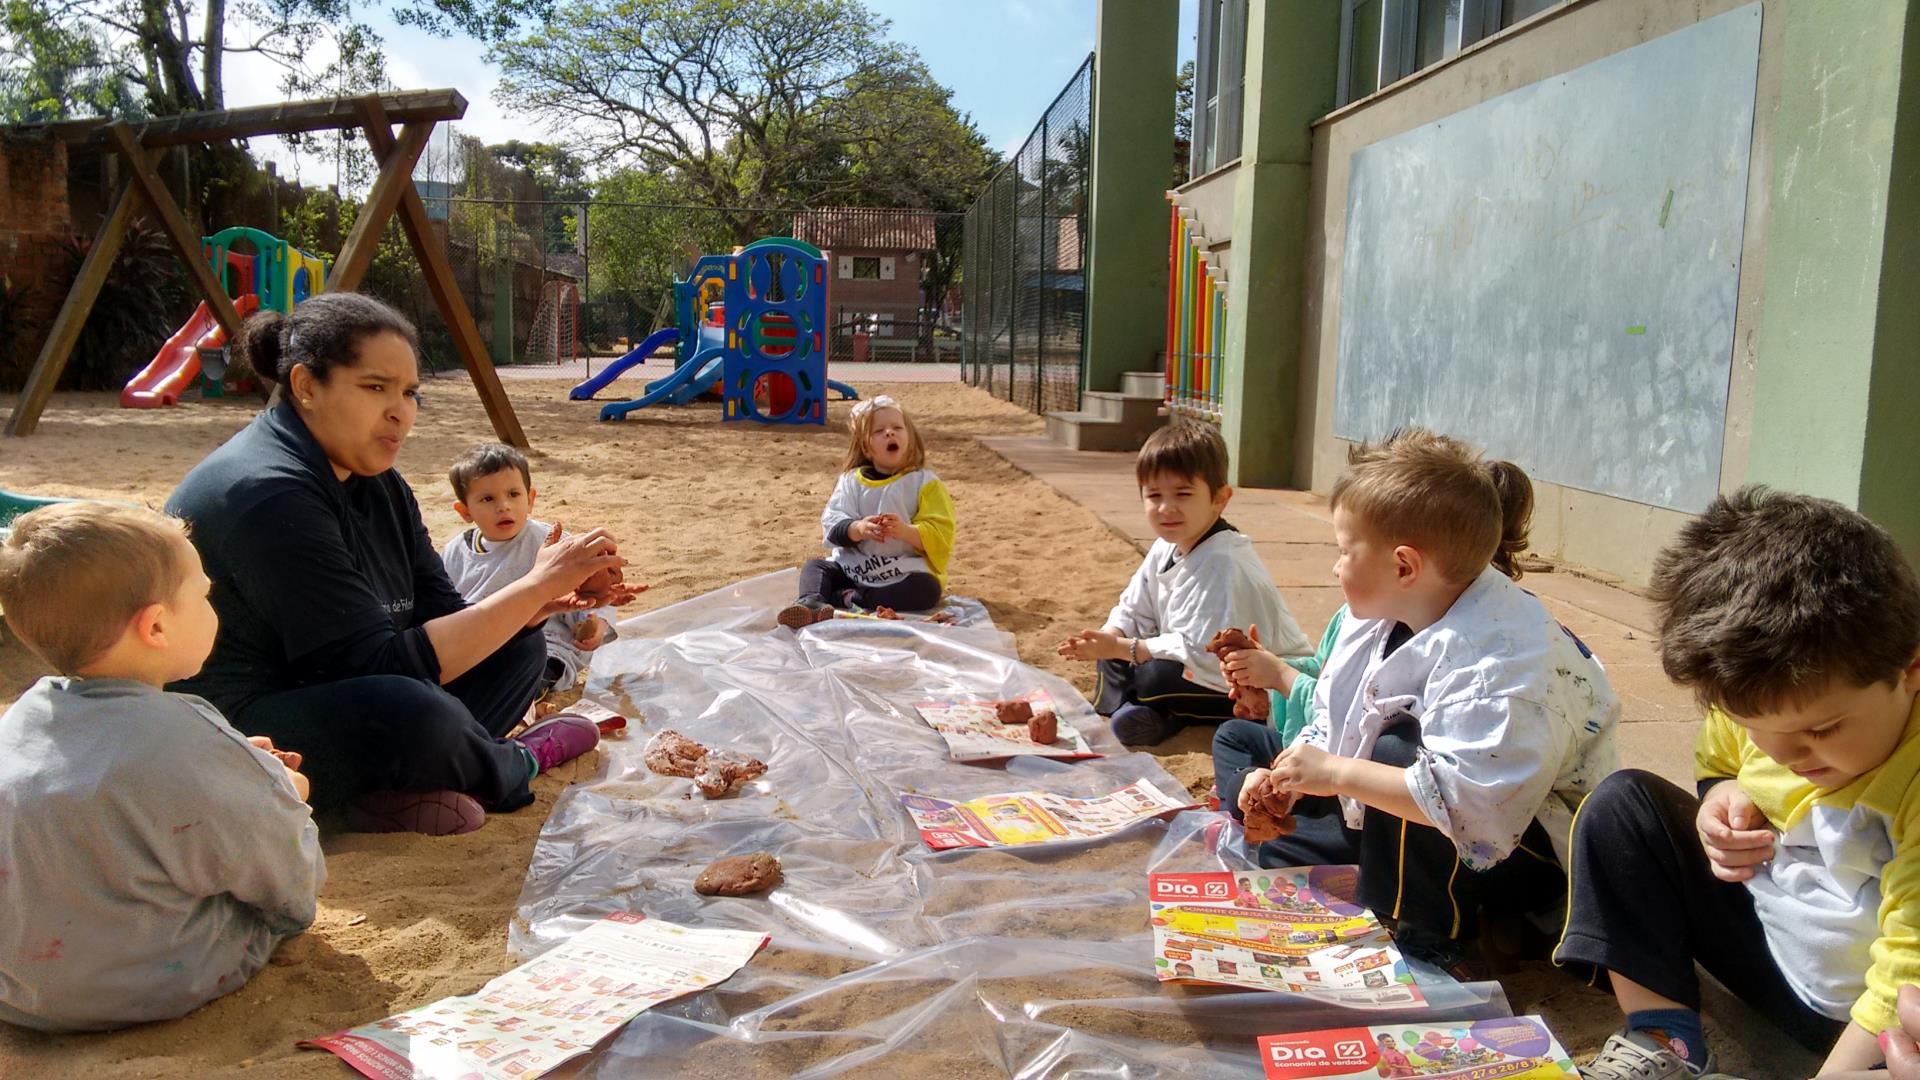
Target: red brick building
(875,258)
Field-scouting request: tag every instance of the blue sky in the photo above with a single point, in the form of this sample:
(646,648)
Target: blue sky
(1004,59)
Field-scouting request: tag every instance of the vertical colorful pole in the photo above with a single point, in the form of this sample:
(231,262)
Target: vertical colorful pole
(1173,298)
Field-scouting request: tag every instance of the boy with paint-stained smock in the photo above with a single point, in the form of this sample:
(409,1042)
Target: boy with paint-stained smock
(151,856)
(1456,724)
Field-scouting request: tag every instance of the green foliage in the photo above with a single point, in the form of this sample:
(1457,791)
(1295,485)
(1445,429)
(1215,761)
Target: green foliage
(750,106)
(639,249)
(1182,123)
(56,67)
(143,302)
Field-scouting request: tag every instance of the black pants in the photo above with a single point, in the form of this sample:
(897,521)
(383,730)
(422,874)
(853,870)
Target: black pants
(395,733)
(1645,903)
(823,579)
(1408,872)
(1162,686)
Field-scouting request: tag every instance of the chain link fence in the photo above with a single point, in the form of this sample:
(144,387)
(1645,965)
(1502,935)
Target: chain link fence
(1024,264)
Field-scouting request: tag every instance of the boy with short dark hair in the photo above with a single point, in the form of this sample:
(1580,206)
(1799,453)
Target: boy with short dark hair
(151,857)
(1794,875)
(493,492)
(1200,577)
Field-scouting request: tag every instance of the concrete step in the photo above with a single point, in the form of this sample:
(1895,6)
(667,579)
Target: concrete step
(1130,409)
(1151,384)
(1087,431)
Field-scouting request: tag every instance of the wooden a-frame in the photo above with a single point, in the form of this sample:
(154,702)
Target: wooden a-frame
(139,145)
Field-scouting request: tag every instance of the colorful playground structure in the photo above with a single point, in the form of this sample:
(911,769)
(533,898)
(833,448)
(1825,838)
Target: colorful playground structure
(752,324)
(276,277)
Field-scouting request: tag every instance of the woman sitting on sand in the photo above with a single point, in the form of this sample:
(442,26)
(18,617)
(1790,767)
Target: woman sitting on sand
(340,636)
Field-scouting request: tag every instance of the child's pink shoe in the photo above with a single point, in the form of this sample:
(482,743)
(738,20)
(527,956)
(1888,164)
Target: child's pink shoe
(559,739)
(430,813)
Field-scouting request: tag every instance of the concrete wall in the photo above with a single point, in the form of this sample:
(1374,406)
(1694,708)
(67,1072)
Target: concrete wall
(1210,197)
(1603,532)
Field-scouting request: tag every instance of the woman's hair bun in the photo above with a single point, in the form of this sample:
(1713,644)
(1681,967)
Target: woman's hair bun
(261,343)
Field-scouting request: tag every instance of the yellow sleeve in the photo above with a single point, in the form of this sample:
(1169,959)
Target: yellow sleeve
(1716,750)
(934,518)
(1896,952)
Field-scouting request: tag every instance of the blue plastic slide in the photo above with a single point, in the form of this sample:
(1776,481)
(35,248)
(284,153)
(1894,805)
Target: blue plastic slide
(682,386)
(638,355)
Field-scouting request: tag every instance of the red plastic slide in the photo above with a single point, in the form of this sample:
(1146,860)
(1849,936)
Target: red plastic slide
(178,362)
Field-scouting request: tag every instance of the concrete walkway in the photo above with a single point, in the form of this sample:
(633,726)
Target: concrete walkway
(1293,531)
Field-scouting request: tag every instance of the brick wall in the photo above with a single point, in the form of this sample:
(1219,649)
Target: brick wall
(34,219)
(899,297)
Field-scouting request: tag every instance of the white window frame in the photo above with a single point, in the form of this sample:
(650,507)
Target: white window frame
(1399,45)
(1219,85)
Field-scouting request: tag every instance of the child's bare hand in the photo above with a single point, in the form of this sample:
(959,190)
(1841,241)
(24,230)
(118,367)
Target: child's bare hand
(1307,770)
(868,528)
(1093,645)
(1734,833)
(301,785)
(1903,1053)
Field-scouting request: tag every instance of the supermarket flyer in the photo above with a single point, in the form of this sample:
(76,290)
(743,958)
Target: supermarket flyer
(1513,1048)
(549,1010)
(1034,817)
(974,734)
(1298,930)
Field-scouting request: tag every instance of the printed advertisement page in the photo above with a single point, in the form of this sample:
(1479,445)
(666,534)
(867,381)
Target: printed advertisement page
(1035,817)
(974,732)
(1514,1048)
(550,1009)
(1295,930)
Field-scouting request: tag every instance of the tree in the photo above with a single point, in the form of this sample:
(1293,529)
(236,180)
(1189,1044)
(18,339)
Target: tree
(752,106)
(55,69)
(562,182)
(1183,124)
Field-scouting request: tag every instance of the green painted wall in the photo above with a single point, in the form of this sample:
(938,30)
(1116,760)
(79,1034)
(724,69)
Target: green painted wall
(1890,474)
(1293,53)
(1839,339)
(1132,165)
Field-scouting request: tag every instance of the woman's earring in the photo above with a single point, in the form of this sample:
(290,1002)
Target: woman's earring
(306,402)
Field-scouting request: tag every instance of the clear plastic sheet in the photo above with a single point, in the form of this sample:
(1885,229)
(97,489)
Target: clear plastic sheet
(887,959)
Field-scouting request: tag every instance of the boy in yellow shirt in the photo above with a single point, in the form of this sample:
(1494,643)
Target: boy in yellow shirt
(1794,876)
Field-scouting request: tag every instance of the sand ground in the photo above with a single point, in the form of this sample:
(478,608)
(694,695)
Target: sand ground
(696,504)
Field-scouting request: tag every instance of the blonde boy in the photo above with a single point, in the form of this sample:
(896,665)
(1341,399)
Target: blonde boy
(151,857)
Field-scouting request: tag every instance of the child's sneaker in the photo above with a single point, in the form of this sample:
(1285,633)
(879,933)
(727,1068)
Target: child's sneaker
(802,613)
(430,813)
(558,740)
(1635,1055)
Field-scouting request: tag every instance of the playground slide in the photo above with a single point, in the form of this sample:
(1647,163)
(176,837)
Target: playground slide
(177,364)
(637,355)
(686,380)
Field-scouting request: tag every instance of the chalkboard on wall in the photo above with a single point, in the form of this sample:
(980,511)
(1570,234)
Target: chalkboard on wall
(1553,274)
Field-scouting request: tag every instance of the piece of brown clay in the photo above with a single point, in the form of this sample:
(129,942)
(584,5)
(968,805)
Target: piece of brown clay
(722,773)
(1013,712)
(739,875)
(1261,826)
(673,754)
(887,613)
(600,585)
(1044,727)
(1232,639)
